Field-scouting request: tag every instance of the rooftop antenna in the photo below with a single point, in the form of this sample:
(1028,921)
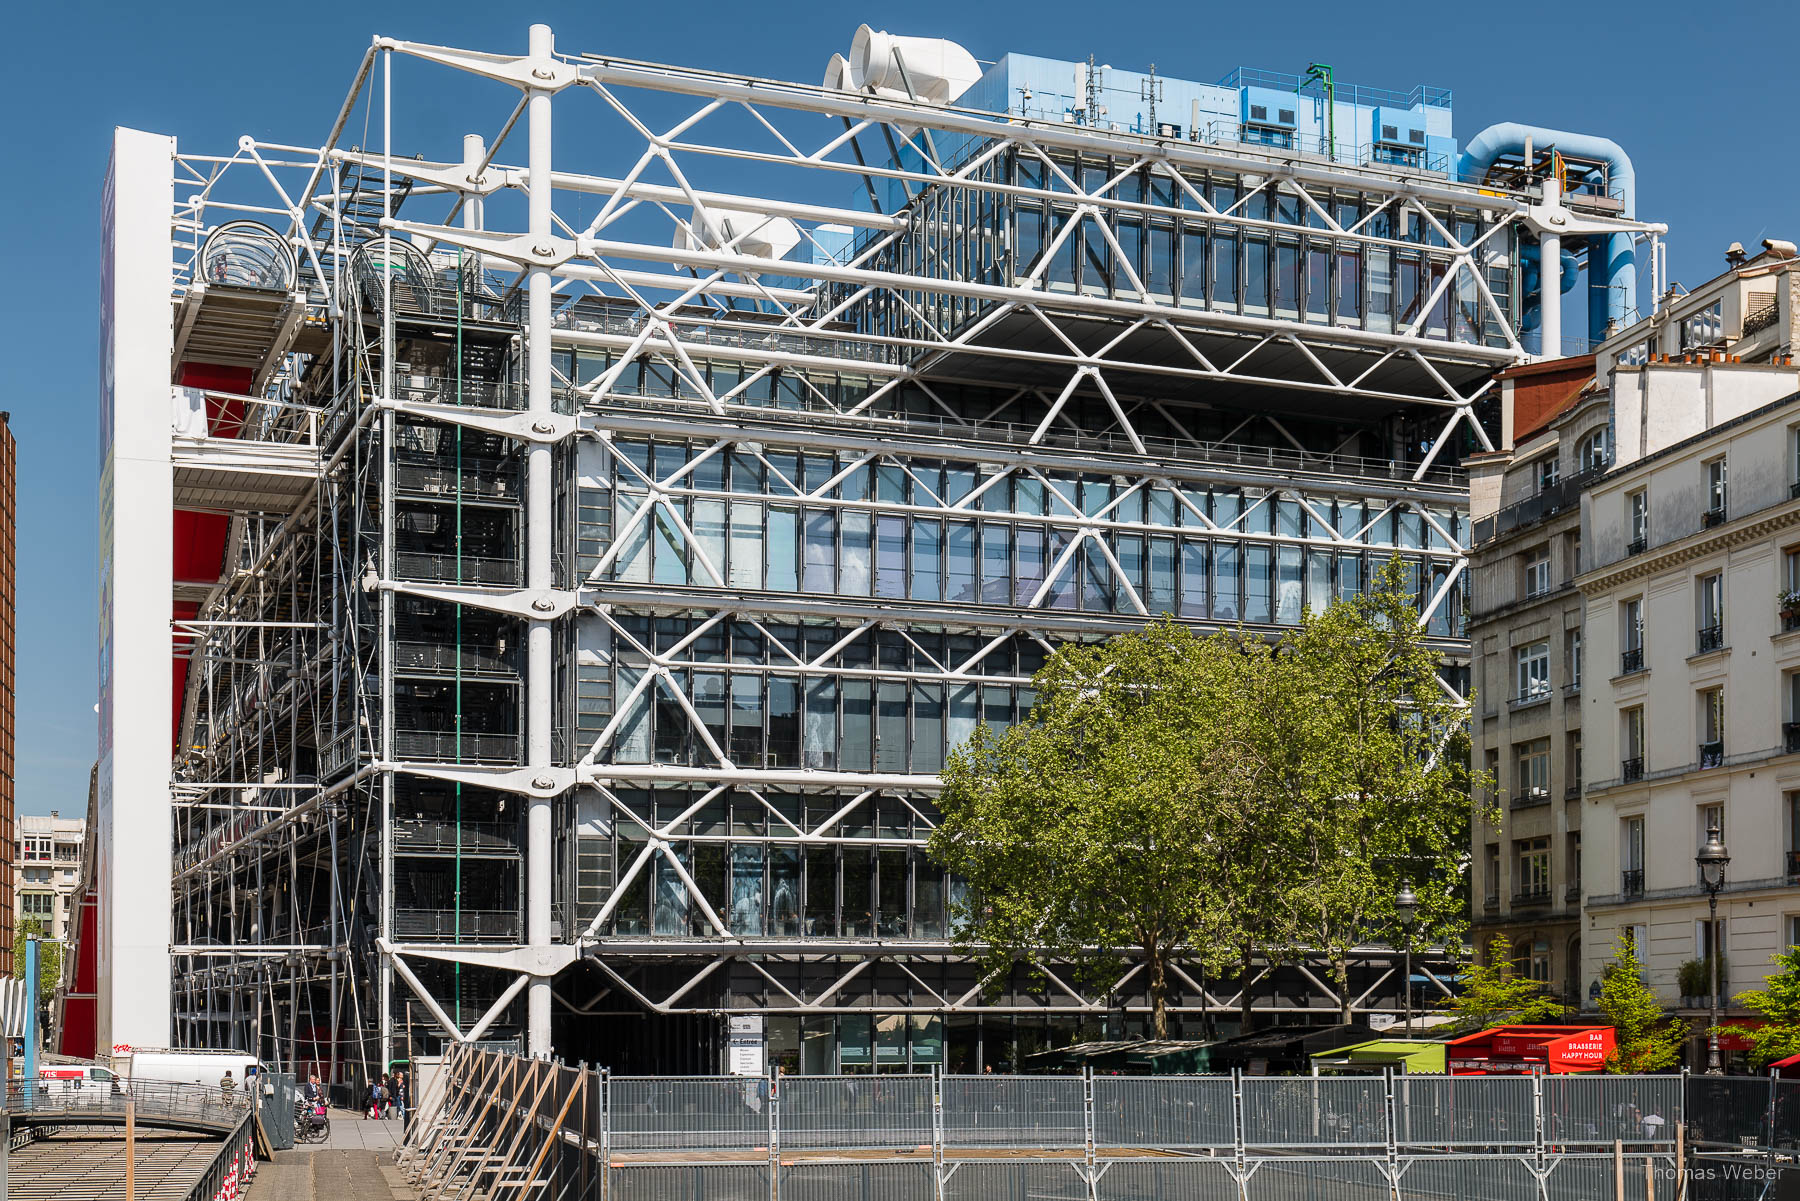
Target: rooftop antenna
(1093,92)
(1151,89)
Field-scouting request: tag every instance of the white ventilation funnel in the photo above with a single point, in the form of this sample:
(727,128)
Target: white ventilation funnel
(837,74)
(937,70)
(755,234)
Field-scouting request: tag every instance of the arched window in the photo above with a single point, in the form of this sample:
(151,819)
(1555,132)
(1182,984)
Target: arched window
(1593,452)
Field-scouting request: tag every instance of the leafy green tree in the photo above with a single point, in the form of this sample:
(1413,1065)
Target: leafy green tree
(1779,1004)
(1365,758)
(1646,1039)
(1494,995)
(50,956)
(1098,830)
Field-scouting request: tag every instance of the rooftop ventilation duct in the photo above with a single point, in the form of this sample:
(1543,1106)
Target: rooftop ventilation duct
(755,234)
(934,70)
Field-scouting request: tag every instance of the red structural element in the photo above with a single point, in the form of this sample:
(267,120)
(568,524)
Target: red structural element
(1514,1050)
(200,537)
(75,1033)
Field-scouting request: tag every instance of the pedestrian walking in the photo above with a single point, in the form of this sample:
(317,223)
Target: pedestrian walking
(227,1087)
(401,1097)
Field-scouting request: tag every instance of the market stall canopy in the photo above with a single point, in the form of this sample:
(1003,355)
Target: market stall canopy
(1512,1050)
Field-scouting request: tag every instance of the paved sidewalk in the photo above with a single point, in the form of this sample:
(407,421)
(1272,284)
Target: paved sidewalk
(355,1164)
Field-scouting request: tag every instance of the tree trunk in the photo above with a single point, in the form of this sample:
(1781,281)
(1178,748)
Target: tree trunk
(1245,1014)
(1159,993)
(1340,976)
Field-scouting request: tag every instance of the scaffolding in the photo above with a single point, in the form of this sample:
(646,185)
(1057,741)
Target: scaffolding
(604,575)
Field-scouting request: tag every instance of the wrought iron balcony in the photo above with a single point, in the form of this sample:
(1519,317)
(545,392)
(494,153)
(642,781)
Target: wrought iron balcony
(1491,901)
(1790,621)
(1631,882)
(1794,490)
(1709,638)
(1534,894)
(1711,754)
(1793,865)
(1631,769)
(1572,894)
(1532,696)
(1631,661)
(1790,736)
(1637,546)
(1531,798)
(1713,517)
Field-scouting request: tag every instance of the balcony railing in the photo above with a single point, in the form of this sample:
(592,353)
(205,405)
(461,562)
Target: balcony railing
(1711,754)
(435,834)
(1709,638)
(499,924)
(1790,621)
(1631,661)
(1531,798)
(1631,882)
(469,569)
(1631,769)
(1637,546)
(448,658)
(1713,517)
(1572,688)
(1572,894)
(1794,490)
(447,746)
(1551,500)
(1793,865)
(1535,894)
(484,479)
(1790,736)
(1532,696)
(1492,900)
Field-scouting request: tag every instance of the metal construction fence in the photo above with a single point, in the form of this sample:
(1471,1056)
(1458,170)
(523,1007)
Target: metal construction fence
(505,1125)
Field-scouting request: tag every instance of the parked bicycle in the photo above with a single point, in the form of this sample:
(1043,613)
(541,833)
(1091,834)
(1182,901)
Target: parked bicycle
(312,1122)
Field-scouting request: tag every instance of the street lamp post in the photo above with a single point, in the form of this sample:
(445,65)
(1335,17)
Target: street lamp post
(1406,907)
(1712,860)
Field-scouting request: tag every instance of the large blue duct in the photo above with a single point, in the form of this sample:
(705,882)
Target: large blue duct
(1612,258)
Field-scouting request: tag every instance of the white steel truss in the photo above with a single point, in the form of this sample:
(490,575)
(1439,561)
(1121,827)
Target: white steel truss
(751,515)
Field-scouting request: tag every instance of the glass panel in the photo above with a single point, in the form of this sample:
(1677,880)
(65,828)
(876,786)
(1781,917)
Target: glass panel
(746,890)
(1258,592)
(821,891)
(858,727)
(783,575)
(784,722)
(893,879)
(928,560)
(670,915)
(821,552)
(820,748)
(1225,580)
(859,917)
(996,562)
(928,898)
(890,557)
(854,578)
(670,549)
(1193,579)
(746,720)
(964,713)
(709,530)
(890,745)
(928,728)
(959,575)
(746,544)
(1031,564)
(631,744)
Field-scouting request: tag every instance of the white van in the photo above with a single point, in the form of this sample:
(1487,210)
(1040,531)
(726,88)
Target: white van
(204,1068)
(70,1080)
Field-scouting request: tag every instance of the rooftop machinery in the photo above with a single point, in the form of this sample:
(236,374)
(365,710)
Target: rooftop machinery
(582,561)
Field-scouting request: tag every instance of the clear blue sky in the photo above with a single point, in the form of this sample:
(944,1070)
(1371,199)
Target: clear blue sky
(1700,96)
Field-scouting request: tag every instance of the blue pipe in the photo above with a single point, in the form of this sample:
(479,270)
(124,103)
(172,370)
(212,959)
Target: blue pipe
(1612,258)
